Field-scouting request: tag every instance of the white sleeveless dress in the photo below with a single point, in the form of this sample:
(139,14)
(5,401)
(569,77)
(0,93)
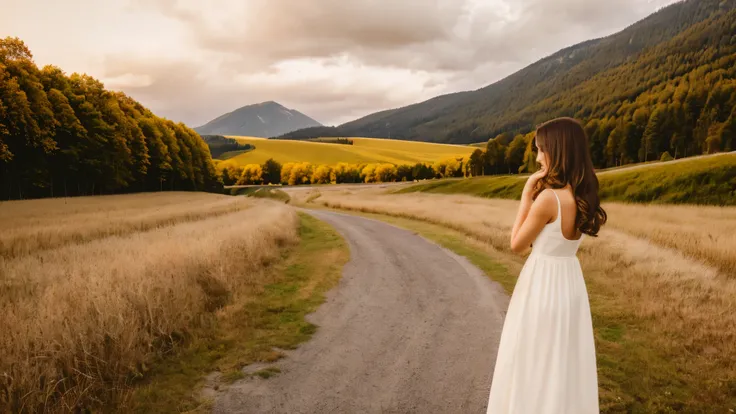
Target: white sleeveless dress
(546,358)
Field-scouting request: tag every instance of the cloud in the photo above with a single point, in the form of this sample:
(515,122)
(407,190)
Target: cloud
(269,31)
(326,90)
(415,34)
(336,60)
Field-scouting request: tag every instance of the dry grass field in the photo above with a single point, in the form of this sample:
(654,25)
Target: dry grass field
(661,281)
(93,290)
(33,225)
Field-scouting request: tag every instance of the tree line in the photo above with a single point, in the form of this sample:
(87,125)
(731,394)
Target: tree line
(220,145)
(343,141)
(503,155)
(66,135)
(298,173)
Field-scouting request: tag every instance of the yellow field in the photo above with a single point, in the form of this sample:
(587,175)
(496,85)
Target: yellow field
(94,289)
(363,150)
(661,280)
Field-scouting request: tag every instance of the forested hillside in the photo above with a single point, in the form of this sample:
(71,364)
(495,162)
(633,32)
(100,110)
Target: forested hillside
(220,145)
(664,84)
(67,135)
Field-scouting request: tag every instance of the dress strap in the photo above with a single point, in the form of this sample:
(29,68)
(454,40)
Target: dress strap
(559,208)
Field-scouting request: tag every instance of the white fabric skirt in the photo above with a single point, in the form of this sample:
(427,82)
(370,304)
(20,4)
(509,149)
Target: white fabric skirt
(546,359)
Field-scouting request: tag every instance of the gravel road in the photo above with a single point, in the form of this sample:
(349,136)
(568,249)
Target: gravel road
(411,328)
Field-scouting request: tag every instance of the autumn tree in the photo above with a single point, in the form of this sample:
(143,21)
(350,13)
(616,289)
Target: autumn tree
(495,156)
(514,156)
(252,174)
(271,172)
(68,135)
(475,163)
(322,175)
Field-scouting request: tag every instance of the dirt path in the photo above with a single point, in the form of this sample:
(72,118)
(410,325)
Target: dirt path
(411,328)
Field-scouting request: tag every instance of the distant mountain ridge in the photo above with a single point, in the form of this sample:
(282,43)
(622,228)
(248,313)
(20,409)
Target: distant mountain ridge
(594,79)
(266,119)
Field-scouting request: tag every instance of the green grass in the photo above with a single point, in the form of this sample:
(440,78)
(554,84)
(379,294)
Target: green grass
(267,373)
(363,150)
(702,180)
(232,154)
(502,186)
(261,192)
(253,330)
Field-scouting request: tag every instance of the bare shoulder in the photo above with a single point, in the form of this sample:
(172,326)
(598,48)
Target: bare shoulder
(546,204)
(547,198)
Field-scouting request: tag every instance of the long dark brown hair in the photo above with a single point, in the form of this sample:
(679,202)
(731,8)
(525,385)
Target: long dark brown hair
(568,154)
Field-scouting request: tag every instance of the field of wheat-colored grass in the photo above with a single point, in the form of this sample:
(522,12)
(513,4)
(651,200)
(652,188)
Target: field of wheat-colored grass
(32,225)
(93,290)
(363,150)
(661,282)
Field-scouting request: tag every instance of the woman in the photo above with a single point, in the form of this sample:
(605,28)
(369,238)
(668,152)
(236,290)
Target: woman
(546,358)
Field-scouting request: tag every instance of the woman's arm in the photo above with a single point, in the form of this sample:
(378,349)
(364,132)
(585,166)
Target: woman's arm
(532,215)
(521,214)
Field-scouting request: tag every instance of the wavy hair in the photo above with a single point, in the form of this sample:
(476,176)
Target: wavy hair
(565,143)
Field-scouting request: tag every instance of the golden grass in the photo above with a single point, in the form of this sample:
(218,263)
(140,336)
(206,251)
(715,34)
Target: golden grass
(363,150)
(664,320)
(703,233)
(254,329)
(86,317)
(32,225)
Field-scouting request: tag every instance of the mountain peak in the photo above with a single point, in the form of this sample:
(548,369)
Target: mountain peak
(265,119)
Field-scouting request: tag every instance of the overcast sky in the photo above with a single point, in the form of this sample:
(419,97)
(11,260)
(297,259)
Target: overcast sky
(334,60)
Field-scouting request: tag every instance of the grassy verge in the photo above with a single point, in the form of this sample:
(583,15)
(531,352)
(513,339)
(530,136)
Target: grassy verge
(502,186)
(702,180)
(231,154)
(261,192)
(252,329)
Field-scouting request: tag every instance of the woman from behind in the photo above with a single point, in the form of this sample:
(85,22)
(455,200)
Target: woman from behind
(546,359)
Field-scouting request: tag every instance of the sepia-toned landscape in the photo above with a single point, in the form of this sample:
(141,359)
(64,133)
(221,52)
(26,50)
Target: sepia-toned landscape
(174,240)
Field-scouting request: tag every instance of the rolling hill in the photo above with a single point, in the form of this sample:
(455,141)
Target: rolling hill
(363,150)
(678,63)
(266,119)
(708,179)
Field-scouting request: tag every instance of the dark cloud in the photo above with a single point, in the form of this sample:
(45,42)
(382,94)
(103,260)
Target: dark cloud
(436,45)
